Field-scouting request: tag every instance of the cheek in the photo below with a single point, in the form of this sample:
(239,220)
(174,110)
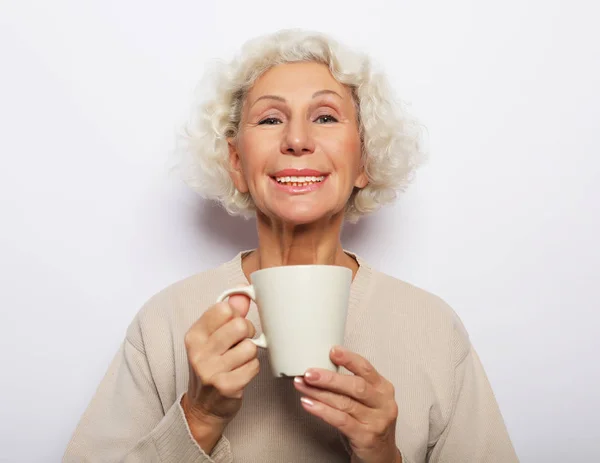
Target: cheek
(250,150)
(256,147)
(345,154)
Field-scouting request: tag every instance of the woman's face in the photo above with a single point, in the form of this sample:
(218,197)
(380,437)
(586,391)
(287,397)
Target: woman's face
(298,150)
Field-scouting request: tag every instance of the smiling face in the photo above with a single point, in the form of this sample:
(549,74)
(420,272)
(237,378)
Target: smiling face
(298,149)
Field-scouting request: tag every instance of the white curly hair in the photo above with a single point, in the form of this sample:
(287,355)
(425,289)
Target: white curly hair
(391,138)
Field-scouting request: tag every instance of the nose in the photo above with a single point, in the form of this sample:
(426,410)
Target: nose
(297,139)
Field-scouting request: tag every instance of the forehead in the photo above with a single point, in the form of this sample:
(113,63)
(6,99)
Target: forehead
(296,79)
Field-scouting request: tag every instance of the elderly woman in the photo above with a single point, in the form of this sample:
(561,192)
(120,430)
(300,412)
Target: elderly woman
(303,134)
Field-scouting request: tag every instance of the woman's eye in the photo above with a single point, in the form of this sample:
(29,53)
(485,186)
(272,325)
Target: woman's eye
(270,121)
(325,119)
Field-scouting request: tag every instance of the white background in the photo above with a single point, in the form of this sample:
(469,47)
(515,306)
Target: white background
(503,222)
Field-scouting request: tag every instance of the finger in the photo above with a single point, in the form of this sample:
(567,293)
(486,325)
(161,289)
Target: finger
(345,423)
(215,317)
(340,402)
(238,355)
(209,364)
(358,365)
(240,303)
(231,333)
(352,386)
(199,333)
(232,384)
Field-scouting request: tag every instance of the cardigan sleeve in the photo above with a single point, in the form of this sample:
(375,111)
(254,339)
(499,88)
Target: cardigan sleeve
(476,430)
(126,422)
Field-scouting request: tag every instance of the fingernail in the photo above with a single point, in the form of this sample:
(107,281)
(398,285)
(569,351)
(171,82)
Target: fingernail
(336,352)
(306,401)
(298,380)
(312,375)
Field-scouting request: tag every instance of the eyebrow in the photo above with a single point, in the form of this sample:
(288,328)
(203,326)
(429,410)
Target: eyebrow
(283,100)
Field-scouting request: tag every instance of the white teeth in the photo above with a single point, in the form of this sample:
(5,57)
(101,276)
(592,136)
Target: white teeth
(300,180)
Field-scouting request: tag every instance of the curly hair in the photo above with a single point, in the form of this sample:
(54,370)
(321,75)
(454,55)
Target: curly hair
(391,138)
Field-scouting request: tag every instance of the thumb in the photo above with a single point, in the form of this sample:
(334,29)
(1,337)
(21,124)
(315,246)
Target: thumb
(240,304)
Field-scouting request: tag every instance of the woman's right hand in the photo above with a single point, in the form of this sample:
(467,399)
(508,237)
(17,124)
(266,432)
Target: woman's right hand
(222,362)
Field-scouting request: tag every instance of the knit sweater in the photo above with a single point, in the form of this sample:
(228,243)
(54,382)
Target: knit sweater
(447,412)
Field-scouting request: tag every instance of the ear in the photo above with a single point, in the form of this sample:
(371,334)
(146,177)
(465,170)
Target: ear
(235,166)
(362,180)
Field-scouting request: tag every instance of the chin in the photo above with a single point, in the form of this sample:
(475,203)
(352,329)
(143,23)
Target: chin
(301,215)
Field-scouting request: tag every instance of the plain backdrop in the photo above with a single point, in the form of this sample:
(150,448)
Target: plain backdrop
(503,222)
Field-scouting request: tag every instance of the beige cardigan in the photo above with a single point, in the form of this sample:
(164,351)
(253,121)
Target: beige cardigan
(447,410)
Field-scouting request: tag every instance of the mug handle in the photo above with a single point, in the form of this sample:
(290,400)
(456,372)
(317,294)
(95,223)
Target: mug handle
(261,341)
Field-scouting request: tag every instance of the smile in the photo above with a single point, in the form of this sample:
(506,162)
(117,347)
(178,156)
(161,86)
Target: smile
(299,184)
(299,181)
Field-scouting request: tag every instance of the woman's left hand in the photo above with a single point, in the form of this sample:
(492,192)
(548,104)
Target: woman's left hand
(362,406)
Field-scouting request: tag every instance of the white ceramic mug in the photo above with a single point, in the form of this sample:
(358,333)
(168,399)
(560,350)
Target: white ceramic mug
(302,310)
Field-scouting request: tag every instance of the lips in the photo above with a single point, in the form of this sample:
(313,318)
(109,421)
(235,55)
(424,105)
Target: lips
(299,180)
(299,173)
(299,184)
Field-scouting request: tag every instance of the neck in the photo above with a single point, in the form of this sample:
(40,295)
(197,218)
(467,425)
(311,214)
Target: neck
(284,244)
